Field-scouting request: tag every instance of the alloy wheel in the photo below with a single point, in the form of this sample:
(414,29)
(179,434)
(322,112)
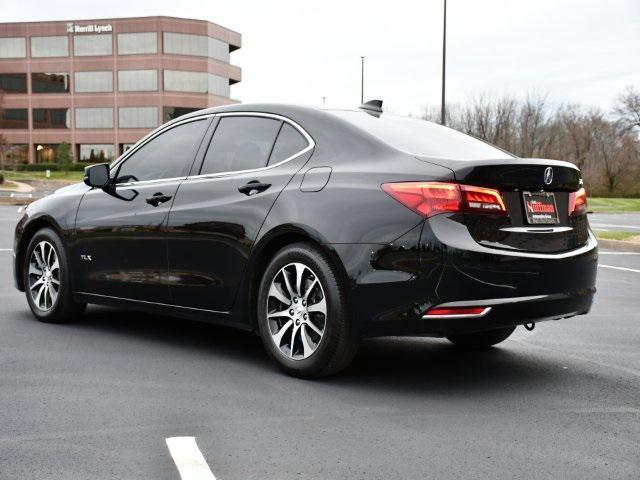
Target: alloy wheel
(296,311)
(44,276)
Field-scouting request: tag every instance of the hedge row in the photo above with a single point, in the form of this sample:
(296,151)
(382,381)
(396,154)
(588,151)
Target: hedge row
(41,167)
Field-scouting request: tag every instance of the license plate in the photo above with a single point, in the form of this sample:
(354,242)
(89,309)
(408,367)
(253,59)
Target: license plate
(540,207)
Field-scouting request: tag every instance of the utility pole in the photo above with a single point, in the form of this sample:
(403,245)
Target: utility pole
(324,100)
(361,80)
(444,64)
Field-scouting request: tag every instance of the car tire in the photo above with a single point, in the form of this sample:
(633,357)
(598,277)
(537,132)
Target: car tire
(46,278)
(481,339)
(303,313)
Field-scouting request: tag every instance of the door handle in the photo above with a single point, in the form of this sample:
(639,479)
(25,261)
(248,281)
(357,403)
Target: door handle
(253,187)
(158,198)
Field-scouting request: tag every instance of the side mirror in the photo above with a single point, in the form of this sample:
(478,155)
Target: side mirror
(97,175)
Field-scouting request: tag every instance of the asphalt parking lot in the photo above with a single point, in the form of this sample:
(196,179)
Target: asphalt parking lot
(625,222)
(97,399)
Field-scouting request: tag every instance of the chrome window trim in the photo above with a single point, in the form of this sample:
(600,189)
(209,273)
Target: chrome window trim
(160,130)
(310,144)
(150,136)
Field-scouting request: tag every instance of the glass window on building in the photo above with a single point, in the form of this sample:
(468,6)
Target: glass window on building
(137,80)
(93,82)
(50,46)
(96,153)
(138,117)
(218,49)
(218,85)
(14,118)
(87,45)
(49,83)
(169,113)
(183,81)
(137,43)
(196,82)
(94,117)
(184,44)
(13,47)
(197,45)
(51,118)
(16,154)
(124,147)
(13,82)
(46,152)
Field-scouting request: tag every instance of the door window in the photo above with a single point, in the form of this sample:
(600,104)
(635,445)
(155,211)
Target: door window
(169,155)
(240,143)
(289,142)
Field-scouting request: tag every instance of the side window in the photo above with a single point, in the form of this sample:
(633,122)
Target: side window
(289,142)
(169,155)
(240,143)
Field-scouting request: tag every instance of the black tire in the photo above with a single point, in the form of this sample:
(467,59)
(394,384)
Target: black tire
(337,345)
(63,308)
(481,339)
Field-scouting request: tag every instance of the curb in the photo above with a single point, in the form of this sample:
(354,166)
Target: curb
(618,245)
(21,187)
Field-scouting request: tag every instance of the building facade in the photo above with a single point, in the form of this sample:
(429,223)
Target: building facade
(101,85)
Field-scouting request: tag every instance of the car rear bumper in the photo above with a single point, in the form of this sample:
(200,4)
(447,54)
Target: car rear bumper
(454,270)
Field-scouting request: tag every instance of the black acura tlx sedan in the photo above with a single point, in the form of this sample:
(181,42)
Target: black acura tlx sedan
(316,228)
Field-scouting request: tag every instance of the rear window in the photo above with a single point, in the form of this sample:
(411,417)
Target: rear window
(419,137)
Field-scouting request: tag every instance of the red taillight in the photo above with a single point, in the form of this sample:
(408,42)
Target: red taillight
(430,198)
(578,202)
(457,311)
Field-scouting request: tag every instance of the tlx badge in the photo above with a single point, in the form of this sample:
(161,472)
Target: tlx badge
(86,258)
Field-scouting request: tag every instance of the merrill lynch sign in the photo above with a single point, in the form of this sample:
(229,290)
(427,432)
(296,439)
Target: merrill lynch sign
(92,28)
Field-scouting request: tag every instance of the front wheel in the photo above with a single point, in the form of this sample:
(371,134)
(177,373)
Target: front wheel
(47,279)
(481,339)
(302,313)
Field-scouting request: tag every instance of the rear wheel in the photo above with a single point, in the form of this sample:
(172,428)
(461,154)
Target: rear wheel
(481,339)
(46,279)
(302,313)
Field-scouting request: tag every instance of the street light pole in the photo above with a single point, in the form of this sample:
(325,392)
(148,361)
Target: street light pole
(361,80)
(444,63)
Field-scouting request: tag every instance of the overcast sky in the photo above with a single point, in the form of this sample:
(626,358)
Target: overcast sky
(582,51)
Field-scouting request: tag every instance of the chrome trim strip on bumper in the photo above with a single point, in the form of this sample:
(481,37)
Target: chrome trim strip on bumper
(493,301)
(591,244)
(536,229)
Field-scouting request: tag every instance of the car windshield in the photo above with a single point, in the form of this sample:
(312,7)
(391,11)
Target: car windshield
(419,137)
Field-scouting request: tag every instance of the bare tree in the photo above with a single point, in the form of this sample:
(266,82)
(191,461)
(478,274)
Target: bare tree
(627,108)
(607,151)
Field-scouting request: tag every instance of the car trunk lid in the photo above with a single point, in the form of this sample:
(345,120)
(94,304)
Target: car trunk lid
(536,194)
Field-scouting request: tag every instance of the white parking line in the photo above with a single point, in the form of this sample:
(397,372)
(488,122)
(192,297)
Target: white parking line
(188,458)
(613,225)
(620,268)
(619,253)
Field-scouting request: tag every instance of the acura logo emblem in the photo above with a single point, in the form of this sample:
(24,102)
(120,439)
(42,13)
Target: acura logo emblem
(548,175)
